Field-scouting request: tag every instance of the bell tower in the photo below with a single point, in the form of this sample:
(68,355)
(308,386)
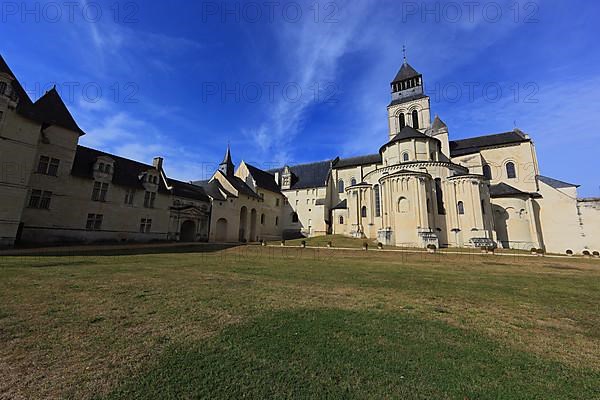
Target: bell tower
(410,106)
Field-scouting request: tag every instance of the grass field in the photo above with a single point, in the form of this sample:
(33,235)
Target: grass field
(256,322)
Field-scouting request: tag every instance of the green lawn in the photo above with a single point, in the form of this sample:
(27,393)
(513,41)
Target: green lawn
(256,322)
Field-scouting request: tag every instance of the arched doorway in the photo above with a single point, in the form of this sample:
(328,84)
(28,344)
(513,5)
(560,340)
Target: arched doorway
(252,237)
(221,230)
(243,224)
(188,231)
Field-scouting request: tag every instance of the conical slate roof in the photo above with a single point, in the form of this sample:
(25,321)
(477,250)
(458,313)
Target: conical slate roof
(227,158)
(50,109)
(407,133)
(406,72)
(438,124)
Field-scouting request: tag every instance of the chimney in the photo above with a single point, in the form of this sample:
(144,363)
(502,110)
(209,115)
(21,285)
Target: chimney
(157,162)
(277,177)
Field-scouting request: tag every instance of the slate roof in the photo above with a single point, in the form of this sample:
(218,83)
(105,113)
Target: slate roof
(242,187)
(212,189)
(555,183)
(263,179)
(405,134)
(50,109)
(126,172)
(438,124)
(504,190)
(306,176)
(356,161)
(406,72)
(476,144)
(187,190)
(342,205)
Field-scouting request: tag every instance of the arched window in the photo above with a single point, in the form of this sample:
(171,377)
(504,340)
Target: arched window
(294,217)
(402,120)
(363,212)
(403,205)
(3,87)
(340,186)
(405,157)
(461,208)
(511,171)
(353,182)
(377,201)
(341,220)
(415,118)
(439,196)
(487,172)
(262,219)
(276,221)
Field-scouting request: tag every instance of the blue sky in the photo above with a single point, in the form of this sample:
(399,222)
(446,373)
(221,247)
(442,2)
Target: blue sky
(181,79)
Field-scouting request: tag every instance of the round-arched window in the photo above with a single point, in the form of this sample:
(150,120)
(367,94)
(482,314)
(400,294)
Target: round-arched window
(340,186)
(415,119)
(403,205)
(341,220)
(511,171)
(405,157)
(353,182)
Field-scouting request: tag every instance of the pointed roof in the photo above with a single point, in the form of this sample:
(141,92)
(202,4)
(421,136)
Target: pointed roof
(438,124)
(50,109)
(406,72)
(227,158)
(407,133)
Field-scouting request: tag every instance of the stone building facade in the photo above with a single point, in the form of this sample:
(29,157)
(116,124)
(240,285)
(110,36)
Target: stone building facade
(53,190)
(421,189)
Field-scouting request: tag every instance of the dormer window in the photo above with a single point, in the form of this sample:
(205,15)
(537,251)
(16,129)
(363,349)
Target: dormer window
(103,168)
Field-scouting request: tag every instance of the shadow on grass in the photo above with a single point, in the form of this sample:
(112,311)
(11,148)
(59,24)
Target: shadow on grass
(118,250)
(346,354)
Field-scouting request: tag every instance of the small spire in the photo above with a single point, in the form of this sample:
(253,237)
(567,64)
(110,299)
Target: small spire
(404,53)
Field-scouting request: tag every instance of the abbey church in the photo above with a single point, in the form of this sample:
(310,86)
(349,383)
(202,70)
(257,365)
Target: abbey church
(421,189)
